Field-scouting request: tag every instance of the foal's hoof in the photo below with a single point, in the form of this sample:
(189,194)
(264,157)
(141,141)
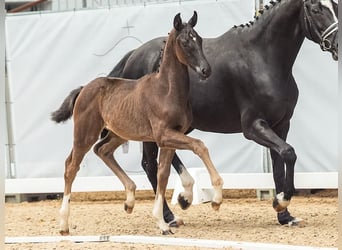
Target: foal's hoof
(64,232)
(128,209)
(166,232)
(215,205)
(184,204)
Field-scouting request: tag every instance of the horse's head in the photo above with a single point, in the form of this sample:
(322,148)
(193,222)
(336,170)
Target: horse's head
(321,23)
(189,46)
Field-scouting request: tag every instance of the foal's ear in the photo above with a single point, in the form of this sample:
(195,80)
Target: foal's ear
(193,20)
(177,22)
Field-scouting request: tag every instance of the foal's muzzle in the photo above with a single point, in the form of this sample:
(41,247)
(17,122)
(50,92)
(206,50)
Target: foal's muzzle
(204,71)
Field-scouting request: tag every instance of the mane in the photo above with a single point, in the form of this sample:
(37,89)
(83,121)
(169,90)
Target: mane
(262,14)
(161,53)
(162,50)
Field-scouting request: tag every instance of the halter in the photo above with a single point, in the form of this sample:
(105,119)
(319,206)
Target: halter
(324,43)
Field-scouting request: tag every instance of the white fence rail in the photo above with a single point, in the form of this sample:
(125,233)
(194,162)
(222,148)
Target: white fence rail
(111,183)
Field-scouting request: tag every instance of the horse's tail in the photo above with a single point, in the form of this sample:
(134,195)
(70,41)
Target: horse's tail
(66,109)
(117,71)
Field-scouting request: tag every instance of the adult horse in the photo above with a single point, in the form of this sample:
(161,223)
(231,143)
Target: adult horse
(153,108)
(251,89)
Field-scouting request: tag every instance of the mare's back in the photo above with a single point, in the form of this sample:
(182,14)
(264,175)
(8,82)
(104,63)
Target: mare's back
(144,60)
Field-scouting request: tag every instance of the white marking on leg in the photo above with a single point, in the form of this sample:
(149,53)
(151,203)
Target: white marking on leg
(130,198)
(217,195)
(158,213)
(64,213)
(218,192)
(187,183)
(282,202)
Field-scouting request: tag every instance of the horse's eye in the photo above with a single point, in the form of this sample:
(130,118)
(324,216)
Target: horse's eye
(315,10)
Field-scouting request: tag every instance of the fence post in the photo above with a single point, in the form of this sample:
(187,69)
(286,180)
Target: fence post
(2,123)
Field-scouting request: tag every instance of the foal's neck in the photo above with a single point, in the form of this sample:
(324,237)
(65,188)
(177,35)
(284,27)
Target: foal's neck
(172,72)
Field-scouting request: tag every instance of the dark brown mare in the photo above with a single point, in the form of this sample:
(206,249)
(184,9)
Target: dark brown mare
(153,108)
(251,89)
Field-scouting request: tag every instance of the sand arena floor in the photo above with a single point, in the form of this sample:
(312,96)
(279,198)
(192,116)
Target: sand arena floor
(241,217)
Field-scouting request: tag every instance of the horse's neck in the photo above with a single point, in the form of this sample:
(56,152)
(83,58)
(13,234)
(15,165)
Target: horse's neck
(279,31)
(173,74)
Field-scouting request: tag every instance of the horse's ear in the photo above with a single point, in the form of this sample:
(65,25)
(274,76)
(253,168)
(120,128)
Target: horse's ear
(335,7)
(177,22)
(193,20)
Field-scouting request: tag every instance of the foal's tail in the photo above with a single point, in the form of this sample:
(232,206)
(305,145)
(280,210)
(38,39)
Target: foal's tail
(66,109)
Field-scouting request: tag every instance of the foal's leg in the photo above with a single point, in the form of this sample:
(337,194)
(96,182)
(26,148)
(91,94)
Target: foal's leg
(165,158)
(184,198)
(177,140)
(150,165)
(82,145)
(260,132)
(105,150)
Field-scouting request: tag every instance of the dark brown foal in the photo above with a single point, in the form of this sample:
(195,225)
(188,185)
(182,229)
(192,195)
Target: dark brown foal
(152,108)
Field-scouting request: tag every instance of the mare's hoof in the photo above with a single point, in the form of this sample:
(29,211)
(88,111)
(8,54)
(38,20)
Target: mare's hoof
(128,209)
(176,223)
(64,233)
(184,204)
(285,218)
(167,232)
(215,205)
(296,222)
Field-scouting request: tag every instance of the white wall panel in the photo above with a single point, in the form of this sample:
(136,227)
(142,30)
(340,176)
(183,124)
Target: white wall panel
(48,55)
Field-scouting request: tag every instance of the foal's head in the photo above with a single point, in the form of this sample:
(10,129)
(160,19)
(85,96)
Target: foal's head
(188,46)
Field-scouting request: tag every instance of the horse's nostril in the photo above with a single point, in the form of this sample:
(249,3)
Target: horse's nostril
(205,71)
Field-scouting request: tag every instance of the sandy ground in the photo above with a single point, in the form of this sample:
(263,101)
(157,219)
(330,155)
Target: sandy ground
(239,219)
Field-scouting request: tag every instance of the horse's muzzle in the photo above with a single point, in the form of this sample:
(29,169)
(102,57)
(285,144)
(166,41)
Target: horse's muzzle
(204,72)
(335,54)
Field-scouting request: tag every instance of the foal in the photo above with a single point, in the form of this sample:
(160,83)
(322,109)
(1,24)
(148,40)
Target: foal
(152,108)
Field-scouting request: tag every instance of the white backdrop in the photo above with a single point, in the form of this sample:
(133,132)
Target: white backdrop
(50,54)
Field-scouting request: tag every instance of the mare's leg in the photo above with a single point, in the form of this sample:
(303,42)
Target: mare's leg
(284,217)
(177,140)
(259,131)
(85,135)
(165,158)
(150,165)
(105,150)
